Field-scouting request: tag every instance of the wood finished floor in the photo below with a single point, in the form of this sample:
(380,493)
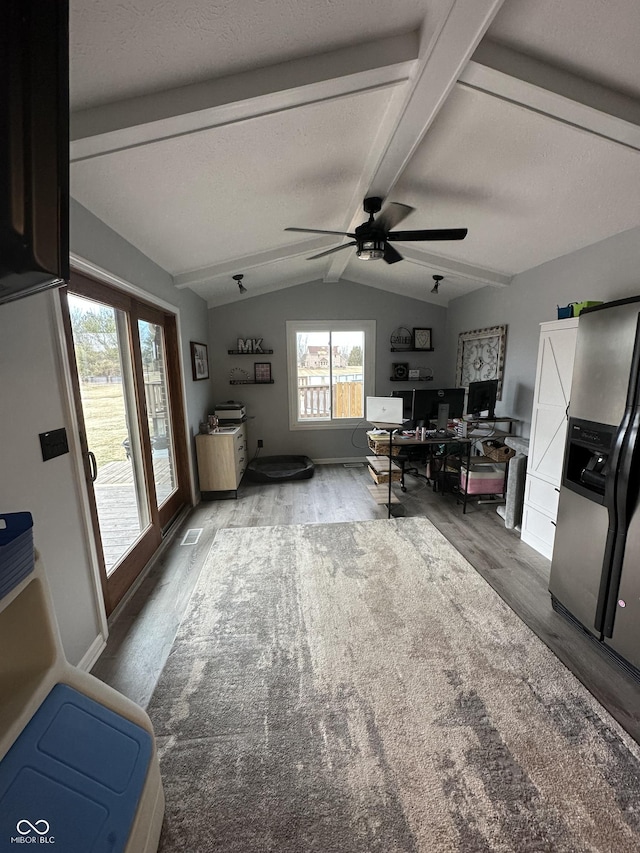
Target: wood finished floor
(143,630)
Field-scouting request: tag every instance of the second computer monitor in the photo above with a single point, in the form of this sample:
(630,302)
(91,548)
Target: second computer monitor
(407,402)
(482,398)
(427,403)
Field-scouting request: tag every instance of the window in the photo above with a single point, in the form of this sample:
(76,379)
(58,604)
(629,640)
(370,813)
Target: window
(331,366)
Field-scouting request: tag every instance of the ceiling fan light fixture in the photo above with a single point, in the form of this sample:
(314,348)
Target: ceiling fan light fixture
(437,279)
(371,250)
(373,238)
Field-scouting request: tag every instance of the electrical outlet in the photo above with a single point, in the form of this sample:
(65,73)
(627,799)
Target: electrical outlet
(260,443)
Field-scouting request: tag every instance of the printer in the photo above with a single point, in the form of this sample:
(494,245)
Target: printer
(231,412)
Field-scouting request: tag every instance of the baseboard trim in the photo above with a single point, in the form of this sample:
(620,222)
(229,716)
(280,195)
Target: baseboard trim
(92,654)
(339,460)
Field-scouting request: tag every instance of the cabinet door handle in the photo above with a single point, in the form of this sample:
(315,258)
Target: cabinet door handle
(556,490)
(554,524)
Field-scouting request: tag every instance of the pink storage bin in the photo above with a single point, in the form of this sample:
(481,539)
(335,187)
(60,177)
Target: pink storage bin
(482,480)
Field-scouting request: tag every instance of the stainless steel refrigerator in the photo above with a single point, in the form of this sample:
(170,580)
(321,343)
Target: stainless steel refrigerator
(595,568)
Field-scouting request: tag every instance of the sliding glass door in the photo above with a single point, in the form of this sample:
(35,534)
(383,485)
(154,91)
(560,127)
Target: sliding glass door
(131,424)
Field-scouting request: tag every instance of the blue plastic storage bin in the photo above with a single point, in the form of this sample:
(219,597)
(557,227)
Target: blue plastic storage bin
(73,777)
(16,549)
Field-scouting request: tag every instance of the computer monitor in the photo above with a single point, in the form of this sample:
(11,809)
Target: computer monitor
(407,403)
(427,403)
(482,398)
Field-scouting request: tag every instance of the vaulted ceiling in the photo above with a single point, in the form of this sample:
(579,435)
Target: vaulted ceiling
(202,129)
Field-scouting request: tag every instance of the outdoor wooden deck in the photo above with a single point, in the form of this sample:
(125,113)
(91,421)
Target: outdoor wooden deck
(117,505)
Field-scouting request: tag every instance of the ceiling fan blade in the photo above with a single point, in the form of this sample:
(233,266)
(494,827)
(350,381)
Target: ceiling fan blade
(331,251)
(318,231)
(430,234)
(393,214)
(391,255)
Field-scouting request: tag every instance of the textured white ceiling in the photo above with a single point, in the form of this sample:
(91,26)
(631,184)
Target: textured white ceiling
(478,113)
(138,46)
(510,175)
(596,39)
(247,181)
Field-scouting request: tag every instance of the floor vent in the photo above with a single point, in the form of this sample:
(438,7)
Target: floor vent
(191,536)
(353,464)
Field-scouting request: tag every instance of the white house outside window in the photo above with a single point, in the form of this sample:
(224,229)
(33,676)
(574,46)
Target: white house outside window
(331,367)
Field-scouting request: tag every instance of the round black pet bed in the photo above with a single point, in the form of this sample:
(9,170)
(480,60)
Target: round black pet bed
(278,469)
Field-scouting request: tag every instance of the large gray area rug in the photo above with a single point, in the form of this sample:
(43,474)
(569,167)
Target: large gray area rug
(358,687)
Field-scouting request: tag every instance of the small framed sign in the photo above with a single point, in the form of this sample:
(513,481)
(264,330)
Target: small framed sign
(422,339)
(400,370)
(400,339)
(262,371)
(199,361)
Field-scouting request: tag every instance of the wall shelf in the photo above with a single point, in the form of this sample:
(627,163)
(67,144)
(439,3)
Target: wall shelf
(249,382)
(419,379)
(254,354)
(393,349)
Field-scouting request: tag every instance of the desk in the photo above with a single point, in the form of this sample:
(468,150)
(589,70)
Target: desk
(483,429)
(379,443)
(480,422)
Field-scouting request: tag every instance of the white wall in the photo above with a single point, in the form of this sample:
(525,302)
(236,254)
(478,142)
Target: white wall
(34,399)
(604,271)
(265,317)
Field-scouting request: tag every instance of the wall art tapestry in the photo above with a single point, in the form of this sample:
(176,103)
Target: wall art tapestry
(481,356)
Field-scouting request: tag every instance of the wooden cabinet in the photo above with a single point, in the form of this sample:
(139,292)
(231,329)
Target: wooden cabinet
(554,371)
(222,459)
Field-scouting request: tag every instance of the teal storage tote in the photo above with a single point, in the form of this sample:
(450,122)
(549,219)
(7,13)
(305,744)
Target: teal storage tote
(566,311)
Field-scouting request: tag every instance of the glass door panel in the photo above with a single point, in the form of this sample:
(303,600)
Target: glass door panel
(131,424)
(101,342)
(156,392)
(347,374)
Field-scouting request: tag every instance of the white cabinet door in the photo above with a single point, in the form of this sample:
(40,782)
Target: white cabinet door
(551,399)
(554,372)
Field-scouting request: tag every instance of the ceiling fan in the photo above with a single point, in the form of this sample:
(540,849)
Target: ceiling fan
(373,237)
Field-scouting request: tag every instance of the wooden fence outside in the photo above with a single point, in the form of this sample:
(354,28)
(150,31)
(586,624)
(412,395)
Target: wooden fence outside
(315,401)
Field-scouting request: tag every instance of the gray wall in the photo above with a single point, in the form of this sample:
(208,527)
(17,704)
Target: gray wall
(605,271)
(265,317)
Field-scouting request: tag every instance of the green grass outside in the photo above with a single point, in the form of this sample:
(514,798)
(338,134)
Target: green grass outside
(104,416)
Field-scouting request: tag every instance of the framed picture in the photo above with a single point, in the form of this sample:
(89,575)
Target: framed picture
(400,370)
(199,361)
(262,371)
(422,339)
(481,356)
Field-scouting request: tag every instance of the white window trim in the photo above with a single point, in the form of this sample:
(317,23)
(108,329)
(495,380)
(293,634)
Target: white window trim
(293,326)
